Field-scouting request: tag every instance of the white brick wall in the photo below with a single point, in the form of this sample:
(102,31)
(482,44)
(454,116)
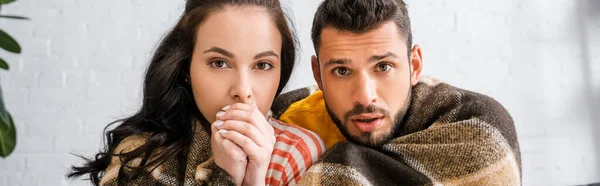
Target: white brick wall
(83,60)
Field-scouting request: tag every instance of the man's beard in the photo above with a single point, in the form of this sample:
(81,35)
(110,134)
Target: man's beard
(367,138)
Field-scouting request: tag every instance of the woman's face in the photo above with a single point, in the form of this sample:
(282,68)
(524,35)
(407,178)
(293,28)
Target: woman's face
(236,59)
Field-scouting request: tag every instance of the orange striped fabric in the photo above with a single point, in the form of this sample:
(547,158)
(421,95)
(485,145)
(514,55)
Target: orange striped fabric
(295,150)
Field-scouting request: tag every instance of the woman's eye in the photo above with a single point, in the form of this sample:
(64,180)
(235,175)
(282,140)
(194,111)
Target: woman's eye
(219,64)
(264,66)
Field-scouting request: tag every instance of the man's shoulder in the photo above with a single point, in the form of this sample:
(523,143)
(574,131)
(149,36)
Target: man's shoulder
(306,112)
(312,103)
(436,101)
(283,102)
(307,99)
(430,89)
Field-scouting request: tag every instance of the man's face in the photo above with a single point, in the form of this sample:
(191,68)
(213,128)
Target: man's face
(366,80)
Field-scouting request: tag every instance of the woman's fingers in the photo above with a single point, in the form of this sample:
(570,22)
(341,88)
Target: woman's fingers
(250,148)
(227,147)
(233,114)
(247,113)
(246,129)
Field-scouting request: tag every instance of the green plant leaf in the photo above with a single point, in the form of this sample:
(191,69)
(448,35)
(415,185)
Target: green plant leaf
(6,1)
(3,64)
(8,43)
(8,132)
(13,17)
(3,112)
(8,137)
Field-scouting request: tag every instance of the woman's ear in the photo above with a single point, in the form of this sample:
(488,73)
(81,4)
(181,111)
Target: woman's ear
(187,79)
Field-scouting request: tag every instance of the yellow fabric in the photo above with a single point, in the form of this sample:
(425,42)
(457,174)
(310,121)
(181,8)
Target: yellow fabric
(310,113)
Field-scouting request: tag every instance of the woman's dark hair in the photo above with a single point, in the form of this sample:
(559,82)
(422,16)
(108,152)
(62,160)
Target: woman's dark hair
(168,107)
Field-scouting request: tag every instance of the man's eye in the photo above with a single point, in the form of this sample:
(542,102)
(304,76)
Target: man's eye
(384,67)
(341,71)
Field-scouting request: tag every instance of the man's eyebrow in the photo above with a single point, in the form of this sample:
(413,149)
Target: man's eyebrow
(346,61)
(337,62)
(376,58)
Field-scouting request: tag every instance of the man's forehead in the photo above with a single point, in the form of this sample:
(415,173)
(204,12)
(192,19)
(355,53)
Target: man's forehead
(378,41)
(386,31)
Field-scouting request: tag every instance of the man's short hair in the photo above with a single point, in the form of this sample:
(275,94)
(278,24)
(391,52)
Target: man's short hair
(360,16)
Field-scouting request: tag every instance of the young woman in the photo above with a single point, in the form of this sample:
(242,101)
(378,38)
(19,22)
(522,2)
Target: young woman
(207,94)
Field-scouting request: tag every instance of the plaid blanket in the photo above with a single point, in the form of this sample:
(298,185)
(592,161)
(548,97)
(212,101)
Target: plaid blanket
(451,136)
(194,167)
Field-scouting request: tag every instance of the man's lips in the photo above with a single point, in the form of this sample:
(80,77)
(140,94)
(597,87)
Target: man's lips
(367,122)
(366,116)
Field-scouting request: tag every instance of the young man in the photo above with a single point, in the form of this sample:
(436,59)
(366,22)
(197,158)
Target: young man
(402,129)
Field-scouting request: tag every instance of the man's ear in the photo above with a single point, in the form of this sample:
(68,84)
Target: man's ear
(416,64)
(316,71)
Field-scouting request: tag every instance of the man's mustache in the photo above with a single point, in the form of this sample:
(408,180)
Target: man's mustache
(361,109)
